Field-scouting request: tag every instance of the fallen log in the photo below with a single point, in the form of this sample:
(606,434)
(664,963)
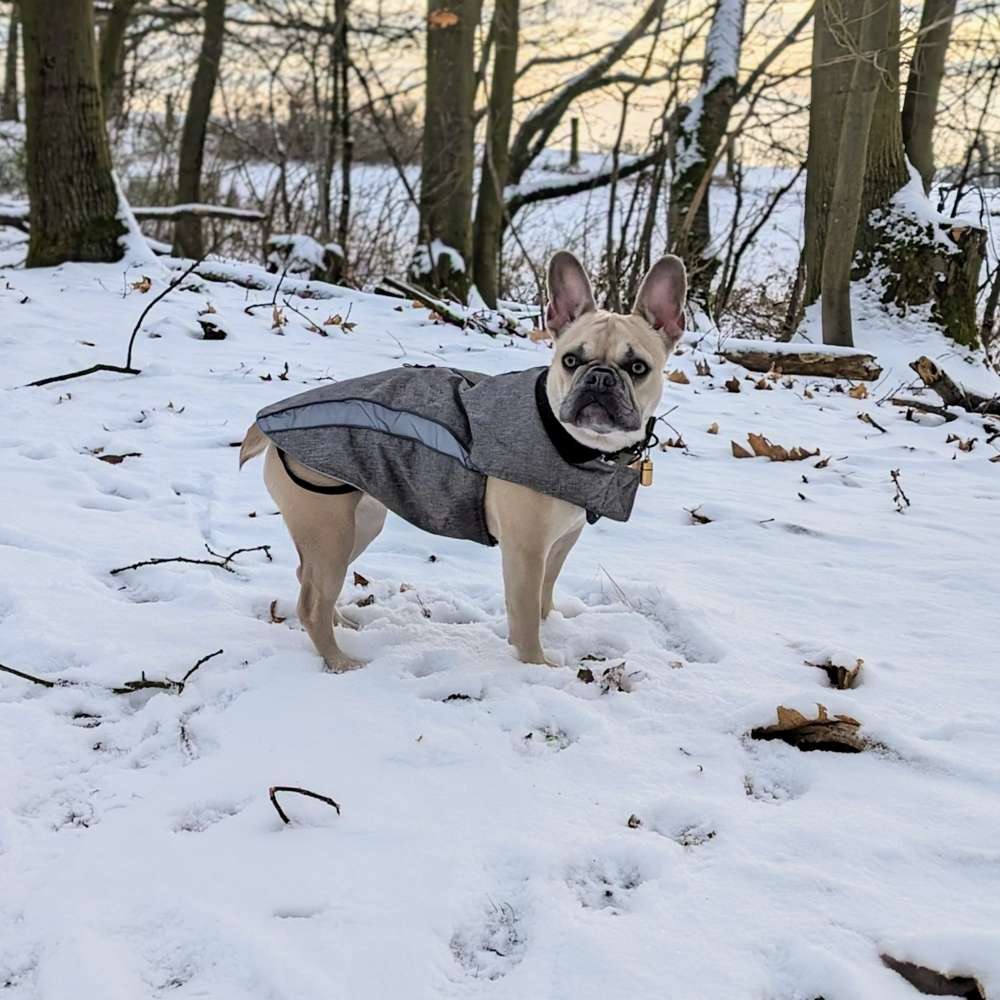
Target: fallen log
(951,392)
(809,361)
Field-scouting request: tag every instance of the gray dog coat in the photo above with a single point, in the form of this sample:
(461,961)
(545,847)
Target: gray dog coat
(423,440)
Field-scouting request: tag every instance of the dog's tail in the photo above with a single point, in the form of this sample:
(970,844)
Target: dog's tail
(253,444)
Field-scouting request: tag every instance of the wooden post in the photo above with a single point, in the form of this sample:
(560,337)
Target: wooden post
(574,142)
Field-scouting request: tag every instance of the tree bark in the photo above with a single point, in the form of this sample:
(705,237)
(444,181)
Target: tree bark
(488,227)
(924,85)
(851,176)
(343,64)
(8,103)
(111,57)
(74,202)
(188,240)
(701,127)
(444,255)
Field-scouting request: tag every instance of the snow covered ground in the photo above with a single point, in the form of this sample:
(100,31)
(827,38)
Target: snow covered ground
(484,847)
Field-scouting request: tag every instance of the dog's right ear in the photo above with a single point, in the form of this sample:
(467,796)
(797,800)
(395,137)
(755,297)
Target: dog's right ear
(570,294)
(661,298)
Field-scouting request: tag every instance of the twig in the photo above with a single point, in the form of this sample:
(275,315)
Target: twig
(127,368)
(866,418)
(220,560)
(30,677)
(273,795)
(166,684)
(900,499)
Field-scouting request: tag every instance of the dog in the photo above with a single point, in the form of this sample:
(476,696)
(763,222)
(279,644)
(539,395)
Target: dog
(593,405)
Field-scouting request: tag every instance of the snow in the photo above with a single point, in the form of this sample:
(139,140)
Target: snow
(295,252)
(483,847)
(427,255)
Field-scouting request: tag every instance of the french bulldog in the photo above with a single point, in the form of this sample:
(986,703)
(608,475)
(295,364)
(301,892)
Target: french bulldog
(603,385)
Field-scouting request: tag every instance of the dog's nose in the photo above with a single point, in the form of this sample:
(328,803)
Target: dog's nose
(600,377)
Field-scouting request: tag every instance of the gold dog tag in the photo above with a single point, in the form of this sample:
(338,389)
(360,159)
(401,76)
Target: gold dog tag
(646,472)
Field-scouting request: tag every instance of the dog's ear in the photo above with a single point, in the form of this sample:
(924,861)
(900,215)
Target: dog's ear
(661,297)
(570,294)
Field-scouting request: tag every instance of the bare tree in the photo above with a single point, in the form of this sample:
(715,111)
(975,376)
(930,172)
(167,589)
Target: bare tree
(488,226)
(111,56)
(9,111)
(924,85)
(444,255)
(74,203)
(187,233)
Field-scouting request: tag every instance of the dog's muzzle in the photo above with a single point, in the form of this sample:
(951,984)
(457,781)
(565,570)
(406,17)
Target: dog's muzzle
(601,401)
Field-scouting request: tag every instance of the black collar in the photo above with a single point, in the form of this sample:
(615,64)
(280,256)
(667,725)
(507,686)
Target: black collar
(571,450)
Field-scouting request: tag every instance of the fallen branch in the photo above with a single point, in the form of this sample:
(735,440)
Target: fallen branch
(916,404)
(219,560)
(950,391)
(143,684)
(127,369)
(273,795)
(901,500)
(808,361)
(176,213)
(30,677)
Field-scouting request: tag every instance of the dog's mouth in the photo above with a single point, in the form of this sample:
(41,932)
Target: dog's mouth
(602,411)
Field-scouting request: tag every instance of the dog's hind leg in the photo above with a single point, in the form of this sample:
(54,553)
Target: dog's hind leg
(554,564)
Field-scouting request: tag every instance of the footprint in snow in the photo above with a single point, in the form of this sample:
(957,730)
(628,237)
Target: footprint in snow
(492,943)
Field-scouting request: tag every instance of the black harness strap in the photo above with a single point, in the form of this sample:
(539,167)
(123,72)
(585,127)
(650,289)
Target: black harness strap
(312,487)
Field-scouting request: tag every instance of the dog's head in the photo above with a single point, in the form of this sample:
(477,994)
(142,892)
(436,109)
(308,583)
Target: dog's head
(606,376)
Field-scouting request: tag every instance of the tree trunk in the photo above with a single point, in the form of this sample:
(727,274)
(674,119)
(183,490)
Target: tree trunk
(74,203)
(443,258)
(346,141)
(701,128)
(188,240)
(111,58)
(8,103)
(493,178)
(850,177)
(924,85)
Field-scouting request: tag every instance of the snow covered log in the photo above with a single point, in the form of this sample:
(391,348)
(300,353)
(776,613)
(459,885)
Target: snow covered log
(951,392)
(300,255)
(174,213)
(793,359)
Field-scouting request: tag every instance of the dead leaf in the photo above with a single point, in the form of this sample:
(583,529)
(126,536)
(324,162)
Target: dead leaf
(774,373)
(964,444)
(698,517)
(807,393)
(615,679)
(763,448)
(118,459)
(540,336)
(838,734)
(677,442)
(860,391)
(733,384)
(586,675)
(842,678)
(634,822)
(347,326)
(277,318)
(701,367)
(283,374)
(932,983)
(365,602)
(763,384)
(335,320)
(143,285)
(276,619)
(823,462)
(359,580)
(678,377)
(739,451)
(442,18)
(713,428)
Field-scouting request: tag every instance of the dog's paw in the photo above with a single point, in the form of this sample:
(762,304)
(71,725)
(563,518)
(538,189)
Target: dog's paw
(342,664)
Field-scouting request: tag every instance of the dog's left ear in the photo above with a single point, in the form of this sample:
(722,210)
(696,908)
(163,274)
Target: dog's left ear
(661,298)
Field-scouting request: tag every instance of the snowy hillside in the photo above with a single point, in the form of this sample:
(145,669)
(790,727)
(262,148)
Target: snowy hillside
(505,830)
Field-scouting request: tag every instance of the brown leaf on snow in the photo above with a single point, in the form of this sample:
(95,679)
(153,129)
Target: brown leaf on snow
(807,393)
(701,367)
(634,822)
(763,448)
(842,678)
(539,336)
(365,602)
(713,428)
(277,318)
(679,377)
(335,320)
(964,444)
(933,983)
(143,285)
(359,580)
(732,384)
(838,734)
(739,451)
(823,462)
(860,391)
(586,675)
(697,516)
(677,442)
(763,384)
(276,619)
(118,459)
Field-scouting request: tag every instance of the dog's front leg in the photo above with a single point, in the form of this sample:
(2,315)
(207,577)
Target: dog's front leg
(523,575)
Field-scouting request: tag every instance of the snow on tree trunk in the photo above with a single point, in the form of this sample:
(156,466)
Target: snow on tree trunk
(448,157)
(74,204)
(701,127)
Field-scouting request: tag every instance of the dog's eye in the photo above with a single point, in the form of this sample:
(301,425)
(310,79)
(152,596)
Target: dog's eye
(570,361)
(638,368)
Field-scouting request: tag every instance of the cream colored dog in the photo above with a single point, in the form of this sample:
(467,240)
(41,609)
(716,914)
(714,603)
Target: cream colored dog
(604,383)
